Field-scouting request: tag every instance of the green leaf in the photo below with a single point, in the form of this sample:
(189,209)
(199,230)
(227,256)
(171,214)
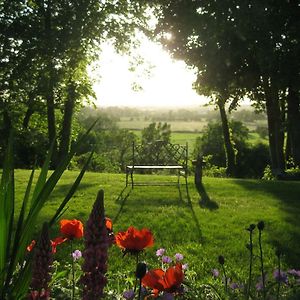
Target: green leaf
(71,191)
(6,210)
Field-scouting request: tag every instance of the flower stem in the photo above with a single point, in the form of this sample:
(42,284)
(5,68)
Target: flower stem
(262,265)
(279,278)
(226,279)
(250,263)
(73,272)
(136,263)
(140,289)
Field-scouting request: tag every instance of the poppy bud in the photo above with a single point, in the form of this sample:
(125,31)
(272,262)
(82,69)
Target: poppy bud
(141,270)
(261,225)
(221,260)
(251,227)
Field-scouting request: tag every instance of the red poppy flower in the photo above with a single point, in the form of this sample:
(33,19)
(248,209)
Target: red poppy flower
(31,246)
(71,228)
(164,281)
(108,224)
(134,240)
(57,241)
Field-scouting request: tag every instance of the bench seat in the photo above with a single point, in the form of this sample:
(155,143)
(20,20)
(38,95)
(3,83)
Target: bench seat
(156,167)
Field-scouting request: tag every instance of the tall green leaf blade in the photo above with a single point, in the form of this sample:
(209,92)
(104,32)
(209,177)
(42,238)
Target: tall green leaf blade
(43,174)
(6,209)
(71,191)
(19,228)
(42,197)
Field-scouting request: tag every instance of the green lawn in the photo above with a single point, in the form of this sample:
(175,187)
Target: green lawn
(182,225)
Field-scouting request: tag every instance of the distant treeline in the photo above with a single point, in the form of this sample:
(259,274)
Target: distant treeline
(201,113)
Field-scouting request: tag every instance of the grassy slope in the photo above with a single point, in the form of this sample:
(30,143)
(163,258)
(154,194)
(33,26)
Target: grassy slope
(201,234)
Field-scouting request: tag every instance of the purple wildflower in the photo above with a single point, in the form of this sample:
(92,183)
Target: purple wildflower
(259,286)
(95,253)
(294,272)
(280,276)
(128,295)
(185,267)
(168,296)
(76,255)
(160,252)
(178,256)
(215,273)
(234,286)
(166,259)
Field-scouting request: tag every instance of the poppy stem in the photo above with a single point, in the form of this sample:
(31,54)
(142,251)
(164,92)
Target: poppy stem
(140,289)
(137,261)
(262,265)
(279,278)
(73,272)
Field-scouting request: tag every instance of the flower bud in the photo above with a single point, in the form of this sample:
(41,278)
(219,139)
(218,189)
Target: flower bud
(251,227)
(221,260)
(141,270)
(261,225)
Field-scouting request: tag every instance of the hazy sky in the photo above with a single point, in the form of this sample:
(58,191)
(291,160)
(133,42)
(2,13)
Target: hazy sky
(169,82)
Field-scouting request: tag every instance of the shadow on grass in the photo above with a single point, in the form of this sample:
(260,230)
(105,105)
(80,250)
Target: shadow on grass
(205,201)
(122,199)
(150,201)
(62,188)
(198,227)
(285,235)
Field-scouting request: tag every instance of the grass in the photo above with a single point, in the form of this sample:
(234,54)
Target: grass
(182,225)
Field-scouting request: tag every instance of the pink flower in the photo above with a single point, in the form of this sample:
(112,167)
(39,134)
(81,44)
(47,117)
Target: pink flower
(76,255)
(178,256)
(160,252)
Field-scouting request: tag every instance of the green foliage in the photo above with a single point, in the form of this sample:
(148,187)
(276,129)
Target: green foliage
(211,145)
(200,234)
(17,231)
(156,132)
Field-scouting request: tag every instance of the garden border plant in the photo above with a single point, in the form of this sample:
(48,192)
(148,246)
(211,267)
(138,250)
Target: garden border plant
(15,263)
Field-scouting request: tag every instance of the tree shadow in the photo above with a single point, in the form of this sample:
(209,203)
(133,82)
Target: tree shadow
(283,235)
(122,198)
(155,202)
(205,201)
(190,205)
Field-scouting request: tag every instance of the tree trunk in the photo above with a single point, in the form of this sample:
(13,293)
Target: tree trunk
(228,144)
(293,119)
(65,134)
(49,77)
(276,130)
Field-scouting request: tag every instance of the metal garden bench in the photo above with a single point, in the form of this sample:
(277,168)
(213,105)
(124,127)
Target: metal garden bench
(156,156)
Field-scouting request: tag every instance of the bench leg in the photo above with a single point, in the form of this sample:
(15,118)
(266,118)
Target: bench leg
(127,178)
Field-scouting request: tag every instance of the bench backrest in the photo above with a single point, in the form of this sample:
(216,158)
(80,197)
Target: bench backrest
(159,153)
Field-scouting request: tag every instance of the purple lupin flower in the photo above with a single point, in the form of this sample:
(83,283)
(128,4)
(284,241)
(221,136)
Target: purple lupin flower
(95,252)
(41,267)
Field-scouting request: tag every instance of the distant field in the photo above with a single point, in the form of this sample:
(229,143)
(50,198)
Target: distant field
(185,132)
(175,125)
